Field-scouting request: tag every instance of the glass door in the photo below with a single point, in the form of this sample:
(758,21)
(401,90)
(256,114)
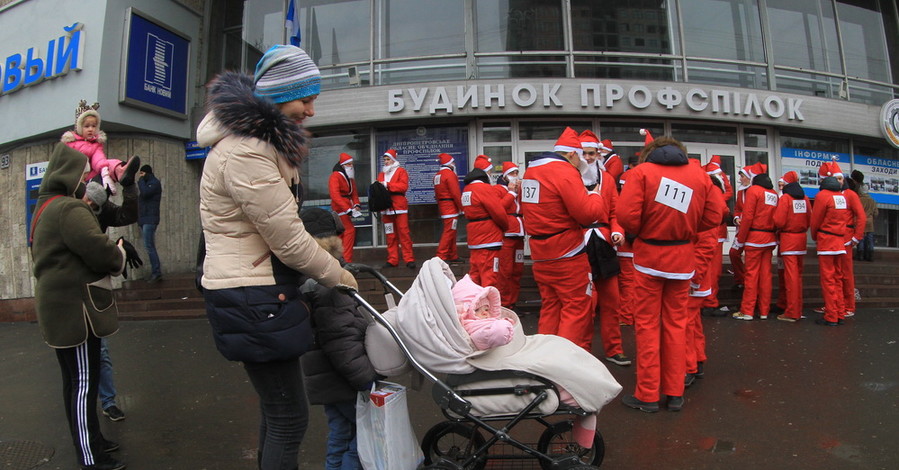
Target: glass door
(731,161)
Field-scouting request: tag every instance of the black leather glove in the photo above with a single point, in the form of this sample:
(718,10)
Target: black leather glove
(132,259)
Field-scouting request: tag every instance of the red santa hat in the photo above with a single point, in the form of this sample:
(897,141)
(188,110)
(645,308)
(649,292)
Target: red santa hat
(509,167)
(831,168)
(751,171)
(606,145)
(589,139)
(345,158)
(445,159)
(482,162)
(789,177)
(568,142)
(390,153)
(713,167)
(648,139)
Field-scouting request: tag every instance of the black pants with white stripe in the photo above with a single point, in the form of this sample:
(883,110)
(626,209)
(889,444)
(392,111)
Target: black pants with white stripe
(80,368)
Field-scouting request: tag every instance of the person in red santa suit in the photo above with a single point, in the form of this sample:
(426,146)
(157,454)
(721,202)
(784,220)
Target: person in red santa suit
(483,163)
(487,221)
(831,216)
(602,239)
(512,254)
(396,219)
(701,288)
(555,205)
(345,201)
(611,161)
(449,206)
(666,201)
(792,219)
(757,238)
(854,234)
(735,254)
(710,302)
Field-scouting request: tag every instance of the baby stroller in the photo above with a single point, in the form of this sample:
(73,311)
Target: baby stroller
(482,399)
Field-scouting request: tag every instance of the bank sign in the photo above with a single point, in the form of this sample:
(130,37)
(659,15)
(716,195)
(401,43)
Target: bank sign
(156,66)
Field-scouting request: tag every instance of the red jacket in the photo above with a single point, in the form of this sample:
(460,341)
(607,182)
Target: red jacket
(830,216)
(486,216)
(665,203)
(398,185)
(728,195)
(343,192)
(609,192)
(792,219)
(512,205)
(757,224)
(447,193)
(555,205)
(614,166)
(626,250)
(856,227)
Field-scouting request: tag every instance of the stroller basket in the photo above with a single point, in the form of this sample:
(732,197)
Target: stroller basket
(468,439)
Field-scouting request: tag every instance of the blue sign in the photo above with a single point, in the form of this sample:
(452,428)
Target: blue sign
(193,151)
(34,175)
(156,66)
(417,151)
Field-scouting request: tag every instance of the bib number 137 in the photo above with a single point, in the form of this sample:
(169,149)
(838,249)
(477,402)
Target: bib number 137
(674,195)
(530,191)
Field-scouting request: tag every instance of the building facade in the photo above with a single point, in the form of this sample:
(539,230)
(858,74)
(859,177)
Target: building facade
(790,83)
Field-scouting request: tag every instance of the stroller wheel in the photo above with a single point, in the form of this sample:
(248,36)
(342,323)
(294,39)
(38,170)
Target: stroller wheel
(454,444)
(557,442)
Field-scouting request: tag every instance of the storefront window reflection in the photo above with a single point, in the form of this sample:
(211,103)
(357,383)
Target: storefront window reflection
(336,32)
(723,29)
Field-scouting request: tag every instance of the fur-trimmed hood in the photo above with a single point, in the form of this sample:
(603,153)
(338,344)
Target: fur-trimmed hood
(72,136)
(236,109)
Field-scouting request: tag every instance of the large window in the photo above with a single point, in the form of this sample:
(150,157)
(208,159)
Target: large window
(336,32)
(723,29)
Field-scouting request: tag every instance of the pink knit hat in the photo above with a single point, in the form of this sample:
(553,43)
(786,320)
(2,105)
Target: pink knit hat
(467,292)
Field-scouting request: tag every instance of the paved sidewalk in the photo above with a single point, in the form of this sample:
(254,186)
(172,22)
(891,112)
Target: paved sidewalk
(776,395)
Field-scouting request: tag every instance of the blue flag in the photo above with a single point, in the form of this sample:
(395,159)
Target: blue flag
(292,23)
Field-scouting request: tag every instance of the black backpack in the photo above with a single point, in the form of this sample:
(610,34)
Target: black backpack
(378,198)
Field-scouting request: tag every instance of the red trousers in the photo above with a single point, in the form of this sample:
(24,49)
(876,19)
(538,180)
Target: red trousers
(626,289)
(757,281)
(737,265)
(607,304)
(660,326)
(484,267)
(695,335)
(830,268)
(348,237)
(566,291)
(714,274)
(511,265)
(446,250)
(791,276)
(397,229)
(848,281)
(781,301)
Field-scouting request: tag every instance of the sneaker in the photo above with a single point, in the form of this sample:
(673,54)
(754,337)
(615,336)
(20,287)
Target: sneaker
(675,403)
(388,265)
(741,316)
(786,318)
(411,265)
(849,314)
(763,317)
(824,322)
(645,406)
(108,463)
(113,413)
(689,379)
(722,311)
(110,446)
(819,310)
(700,370)
(619,359)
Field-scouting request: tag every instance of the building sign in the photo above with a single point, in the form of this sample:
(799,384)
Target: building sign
(806,163)
(193,151)
(610,97)
(155,71)
(417,150)
(38,64)
(881,176)
(889,122)
(34,174)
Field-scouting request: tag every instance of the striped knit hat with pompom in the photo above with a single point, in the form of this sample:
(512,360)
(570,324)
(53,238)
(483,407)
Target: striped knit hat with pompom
(286,73)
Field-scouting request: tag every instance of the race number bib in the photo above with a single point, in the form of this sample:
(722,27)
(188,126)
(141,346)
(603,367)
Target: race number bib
(799,207)
(771,199)
(495,265)
(437,179)
(589,285)
(839,202)
(519,256)
(530,191)
(455,223)
(466,198)
(388,228)
(674,195)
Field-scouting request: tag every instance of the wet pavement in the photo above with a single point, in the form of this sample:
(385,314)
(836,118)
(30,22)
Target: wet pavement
(775,395)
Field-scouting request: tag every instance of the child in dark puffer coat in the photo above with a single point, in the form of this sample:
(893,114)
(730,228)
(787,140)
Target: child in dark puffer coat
(337,366)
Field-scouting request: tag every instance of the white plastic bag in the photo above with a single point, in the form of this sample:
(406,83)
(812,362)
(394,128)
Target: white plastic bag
(385,439)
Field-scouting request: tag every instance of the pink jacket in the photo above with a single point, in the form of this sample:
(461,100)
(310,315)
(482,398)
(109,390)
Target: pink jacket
(485,333)
(94,151)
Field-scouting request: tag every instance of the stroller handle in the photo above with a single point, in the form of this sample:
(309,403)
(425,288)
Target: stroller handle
(356,268)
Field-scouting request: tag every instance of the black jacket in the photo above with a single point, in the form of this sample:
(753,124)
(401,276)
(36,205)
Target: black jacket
(336,366)
(150,197)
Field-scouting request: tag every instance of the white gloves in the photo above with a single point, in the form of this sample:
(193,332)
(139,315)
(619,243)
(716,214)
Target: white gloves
(108,183)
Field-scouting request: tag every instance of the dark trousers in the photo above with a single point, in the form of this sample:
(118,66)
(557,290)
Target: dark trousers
(80,368)
(865,249)
(285,415)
